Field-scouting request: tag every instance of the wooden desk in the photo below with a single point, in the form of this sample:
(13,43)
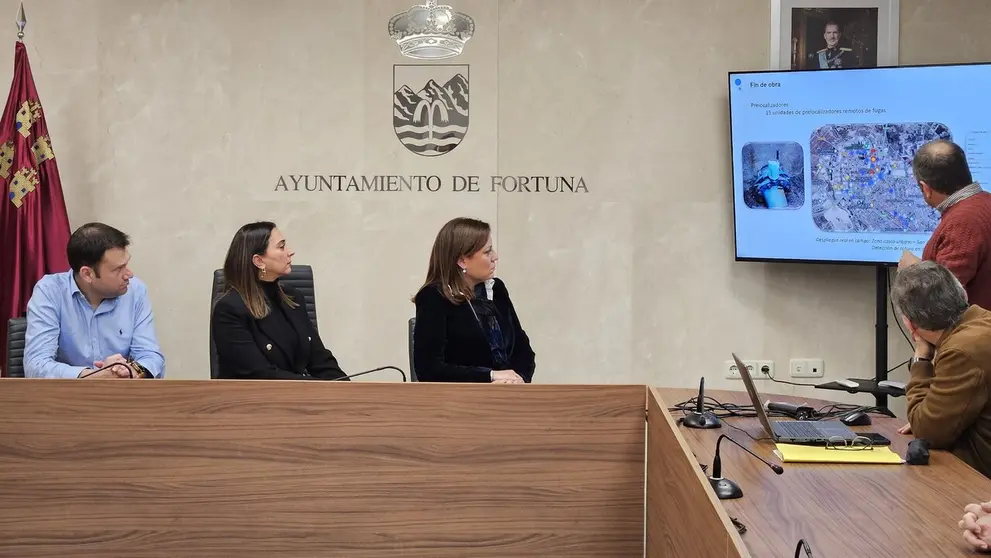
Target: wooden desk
(263,469)
(843,511)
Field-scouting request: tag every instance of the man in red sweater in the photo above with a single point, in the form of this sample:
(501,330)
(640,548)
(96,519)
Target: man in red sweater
(962,241)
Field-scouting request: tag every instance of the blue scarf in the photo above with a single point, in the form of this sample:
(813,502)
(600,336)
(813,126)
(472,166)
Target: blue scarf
(487,316)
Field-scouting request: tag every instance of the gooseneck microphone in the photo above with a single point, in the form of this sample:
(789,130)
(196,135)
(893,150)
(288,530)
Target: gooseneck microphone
(726,489)
(355,375)
(700,418)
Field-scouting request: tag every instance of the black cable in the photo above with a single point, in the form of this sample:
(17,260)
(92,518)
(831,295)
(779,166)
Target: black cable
(837,410)
(773,379)
(349,376)
(704,467)
(749,435)
(721,410)
(109,366)
(803,545)
(726,410)
(895,314)
(731,410)
(897,366)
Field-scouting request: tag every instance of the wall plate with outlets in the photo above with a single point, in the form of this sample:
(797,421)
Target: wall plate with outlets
(754,366)
(806,368)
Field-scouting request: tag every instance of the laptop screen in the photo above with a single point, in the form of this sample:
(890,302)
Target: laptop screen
(754,396)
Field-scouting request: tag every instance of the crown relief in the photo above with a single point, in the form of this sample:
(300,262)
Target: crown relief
(430,31)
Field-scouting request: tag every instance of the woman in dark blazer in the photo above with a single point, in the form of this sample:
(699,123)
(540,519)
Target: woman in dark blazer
(259,326)
(466,327)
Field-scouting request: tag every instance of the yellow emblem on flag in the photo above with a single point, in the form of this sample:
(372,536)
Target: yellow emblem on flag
(29,113)
(42,150)
(23,183)
(6,158)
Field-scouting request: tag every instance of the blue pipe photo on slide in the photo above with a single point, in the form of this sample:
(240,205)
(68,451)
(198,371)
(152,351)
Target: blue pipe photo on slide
(772,183)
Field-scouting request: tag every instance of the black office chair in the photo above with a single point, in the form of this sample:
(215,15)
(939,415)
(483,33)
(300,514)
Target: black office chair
(412,371)
(16,329)
(300,278)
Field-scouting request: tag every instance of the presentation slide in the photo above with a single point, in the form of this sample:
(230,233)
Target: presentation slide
(822,160)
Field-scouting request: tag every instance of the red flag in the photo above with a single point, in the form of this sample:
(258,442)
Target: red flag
(34,225)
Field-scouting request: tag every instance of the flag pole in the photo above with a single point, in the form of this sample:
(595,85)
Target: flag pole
(21,22)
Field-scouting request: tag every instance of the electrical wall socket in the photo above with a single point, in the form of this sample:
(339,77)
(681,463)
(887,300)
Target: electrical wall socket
(765,370)
(755,367)
(807,368)
(730,371)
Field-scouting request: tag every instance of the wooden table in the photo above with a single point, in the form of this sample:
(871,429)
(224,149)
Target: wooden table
(841,510)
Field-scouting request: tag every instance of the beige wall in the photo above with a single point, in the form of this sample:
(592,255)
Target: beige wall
(174,120)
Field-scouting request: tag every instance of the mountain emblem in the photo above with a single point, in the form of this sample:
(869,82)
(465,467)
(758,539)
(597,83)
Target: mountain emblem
(430,107)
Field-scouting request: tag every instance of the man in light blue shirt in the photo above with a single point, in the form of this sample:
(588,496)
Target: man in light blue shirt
(92,317)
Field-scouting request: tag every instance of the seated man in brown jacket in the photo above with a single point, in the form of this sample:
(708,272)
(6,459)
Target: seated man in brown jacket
(948,402)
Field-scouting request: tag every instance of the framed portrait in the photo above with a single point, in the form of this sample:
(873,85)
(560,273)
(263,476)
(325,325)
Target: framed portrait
(833,34)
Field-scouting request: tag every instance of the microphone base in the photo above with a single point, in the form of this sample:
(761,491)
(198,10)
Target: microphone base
(726,489)
(704,420)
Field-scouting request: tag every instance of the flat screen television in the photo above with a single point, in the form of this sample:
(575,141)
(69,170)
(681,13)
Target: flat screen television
(822,159)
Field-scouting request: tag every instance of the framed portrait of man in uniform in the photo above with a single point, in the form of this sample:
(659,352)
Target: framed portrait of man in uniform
(833,34)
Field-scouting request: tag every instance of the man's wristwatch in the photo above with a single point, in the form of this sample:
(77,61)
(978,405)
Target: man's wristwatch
(914,359)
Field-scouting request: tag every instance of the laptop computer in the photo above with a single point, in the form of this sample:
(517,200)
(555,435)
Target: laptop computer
(793,431)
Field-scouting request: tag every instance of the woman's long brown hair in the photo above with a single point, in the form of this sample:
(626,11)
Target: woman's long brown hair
(240,273)
(458,237)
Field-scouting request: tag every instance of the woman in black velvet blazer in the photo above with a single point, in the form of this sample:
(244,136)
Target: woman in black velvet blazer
(467,329)
(260,327)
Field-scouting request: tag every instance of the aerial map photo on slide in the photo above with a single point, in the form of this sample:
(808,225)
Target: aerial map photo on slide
(862,177)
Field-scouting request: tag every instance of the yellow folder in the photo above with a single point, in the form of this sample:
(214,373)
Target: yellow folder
(793,453)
